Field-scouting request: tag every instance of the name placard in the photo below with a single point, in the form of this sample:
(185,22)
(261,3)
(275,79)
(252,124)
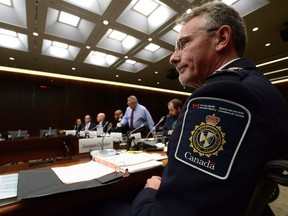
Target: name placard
(88,144)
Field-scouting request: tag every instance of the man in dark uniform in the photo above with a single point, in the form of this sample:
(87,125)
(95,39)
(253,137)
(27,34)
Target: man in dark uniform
(233,123)
(228,128)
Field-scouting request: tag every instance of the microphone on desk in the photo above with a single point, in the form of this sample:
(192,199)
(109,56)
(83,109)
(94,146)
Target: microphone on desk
(142,125)
(106,151)
(106,125)
(155,126)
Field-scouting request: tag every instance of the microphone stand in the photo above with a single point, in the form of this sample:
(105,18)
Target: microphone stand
(133,138)
(105,152)
(162,119)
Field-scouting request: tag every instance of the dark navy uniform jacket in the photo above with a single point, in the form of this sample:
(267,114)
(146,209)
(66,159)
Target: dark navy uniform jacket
(226,131)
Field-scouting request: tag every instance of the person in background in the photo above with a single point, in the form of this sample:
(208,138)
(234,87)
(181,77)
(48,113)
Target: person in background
(101,121)
(78,125)
(233,123)
(174,107)
(88,125)
(137,115)
(118,115)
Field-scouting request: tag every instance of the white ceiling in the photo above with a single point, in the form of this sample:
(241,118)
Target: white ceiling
(106,58)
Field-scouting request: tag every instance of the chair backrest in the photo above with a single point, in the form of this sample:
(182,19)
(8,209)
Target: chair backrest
(274,173)
(17,134)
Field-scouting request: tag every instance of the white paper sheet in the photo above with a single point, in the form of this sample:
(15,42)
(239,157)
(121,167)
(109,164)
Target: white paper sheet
(82,172)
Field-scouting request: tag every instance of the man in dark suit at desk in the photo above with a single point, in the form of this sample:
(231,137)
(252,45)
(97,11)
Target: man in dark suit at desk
(101,121)
(88,125)
(78,125)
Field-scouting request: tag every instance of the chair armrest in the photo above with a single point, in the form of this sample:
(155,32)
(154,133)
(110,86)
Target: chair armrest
(277,171)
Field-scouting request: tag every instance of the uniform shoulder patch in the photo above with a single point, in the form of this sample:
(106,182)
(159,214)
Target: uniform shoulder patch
(211,134)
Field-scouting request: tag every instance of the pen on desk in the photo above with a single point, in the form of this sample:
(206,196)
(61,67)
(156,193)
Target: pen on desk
(134,152)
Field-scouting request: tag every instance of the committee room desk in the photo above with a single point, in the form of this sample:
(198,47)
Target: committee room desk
(82,202)
(17,154)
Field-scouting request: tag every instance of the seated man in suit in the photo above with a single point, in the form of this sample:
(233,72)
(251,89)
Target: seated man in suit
(88,125)
(78,125)
(100,120)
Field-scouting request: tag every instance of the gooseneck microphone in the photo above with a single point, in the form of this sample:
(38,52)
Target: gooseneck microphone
(142,125)
(103,151)
(155,126)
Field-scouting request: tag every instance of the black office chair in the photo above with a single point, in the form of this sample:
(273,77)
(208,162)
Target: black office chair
(275,173)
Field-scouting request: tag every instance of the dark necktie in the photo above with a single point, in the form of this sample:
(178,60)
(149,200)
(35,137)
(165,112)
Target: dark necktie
(131,119)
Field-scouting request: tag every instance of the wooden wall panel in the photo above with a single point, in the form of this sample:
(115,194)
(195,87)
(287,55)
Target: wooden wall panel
(24,105)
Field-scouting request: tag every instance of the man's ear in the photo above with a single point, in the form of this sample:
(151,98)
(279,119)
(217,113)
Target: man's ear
(224,37)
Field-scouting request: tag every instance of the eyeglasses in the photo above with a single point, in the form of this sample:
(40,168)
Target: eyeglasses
(181,42)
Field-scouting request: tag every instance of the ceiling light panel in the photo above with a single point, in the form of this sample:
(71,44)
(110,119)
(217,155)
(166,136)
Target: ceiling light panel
(14,14)
(69,19)
(6,2)
(59,50)
(146,23)
(80,33)
(229,2)
(100,59)
(13,40)
(153,56)
(94,6)
(245,7)
(133,68)
(145,7)
(120,44)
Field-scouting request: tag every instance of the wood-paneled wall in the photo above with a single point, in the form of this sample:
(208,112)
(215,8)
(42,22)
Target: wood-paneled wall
(25,105)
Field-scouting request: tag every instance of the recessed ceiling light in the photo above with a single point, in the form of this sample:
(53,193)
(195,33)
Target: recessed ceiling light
(6,2)
(139,80)
(105,22)
(267,44)
(149,39)
(130,61)
(188,11)
(35,34)
(117,75)
(88,47)
(59,44)
(69,19)
(255,29)
(117,35)
(229,2)
(152,47)
(11,58)
(73,68)
(158,83)
(145,7)
(177,28)
(156,72)
(126,57)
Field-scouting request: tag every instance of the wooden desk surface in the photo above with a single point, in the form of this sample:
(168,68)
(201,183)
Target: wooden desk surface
(84,201)
(22,153)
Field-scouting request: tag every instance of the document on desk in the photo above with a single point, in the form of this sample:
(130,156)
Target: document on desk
(82,172)
(8,188)
(131,162)
(101,166)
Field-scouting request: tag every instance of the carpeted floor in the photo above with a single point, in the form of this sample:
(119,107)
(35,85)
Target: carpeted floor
(280,205)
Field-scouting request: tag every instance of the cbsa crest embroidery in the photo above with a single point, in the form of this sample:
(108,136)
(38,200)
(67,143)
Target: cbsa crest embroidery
(207,139)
